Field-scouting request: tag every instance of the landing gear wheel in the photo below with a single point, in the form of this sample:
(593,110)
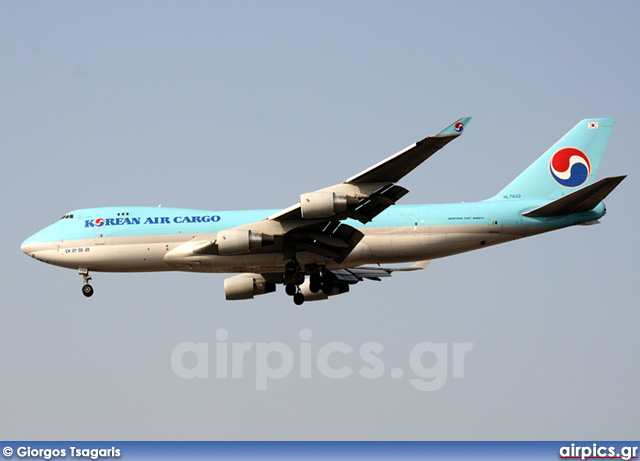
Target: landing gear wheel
(87,290)
(315,283)
(290,289)
(327,286)
(298,278)
(291,267)
(298,299)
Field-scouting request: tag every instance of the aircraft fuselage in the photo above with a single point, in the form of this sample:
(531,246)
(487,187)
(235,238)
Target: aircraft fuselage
(142,239)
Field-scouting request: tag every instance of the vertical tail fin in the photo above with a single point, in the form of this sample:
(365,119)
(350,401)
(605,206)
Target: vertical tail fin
(568,165)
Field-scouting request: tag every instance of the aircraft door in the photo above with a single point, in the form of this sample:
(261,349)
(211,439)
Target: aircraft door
(495,229)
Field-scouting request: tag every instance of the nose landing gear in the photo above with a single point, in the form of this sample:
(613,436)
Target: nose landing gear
(87,289)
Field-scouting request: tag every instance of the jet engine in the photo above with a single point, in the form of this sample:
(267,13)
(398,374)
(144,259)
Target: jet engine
(322,204)
(246,286)
(241,241)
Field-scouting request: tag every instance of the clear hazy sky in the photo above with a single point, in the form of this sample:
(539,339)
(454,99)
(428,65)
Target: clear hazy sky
(231,105)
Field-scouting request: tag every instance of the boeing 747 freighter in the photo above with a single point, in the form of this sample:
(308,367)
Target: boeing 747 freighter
(335,237)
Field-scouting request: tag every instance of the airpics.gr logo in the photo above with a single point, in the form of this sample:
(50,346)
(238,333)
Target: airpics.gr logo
(101,222)
(570,167)
(459,127)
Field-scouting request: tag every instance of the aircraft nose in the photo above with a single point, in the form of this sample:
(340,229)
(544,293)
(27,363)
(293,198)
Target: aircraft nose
(26,247)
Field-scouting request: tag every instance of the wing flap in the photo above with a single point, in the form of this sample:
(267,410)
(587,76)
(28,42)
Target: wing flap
(370,207)
(357,274)
(335,240)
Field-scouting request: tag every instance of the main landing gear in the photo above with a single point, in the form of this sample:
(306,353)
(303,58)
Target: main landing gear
(295,278)
(87,289)
(319,280)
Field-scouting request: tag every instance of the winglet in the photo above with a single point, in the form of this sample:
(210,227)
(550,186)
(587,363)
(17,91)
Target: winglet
(456,128)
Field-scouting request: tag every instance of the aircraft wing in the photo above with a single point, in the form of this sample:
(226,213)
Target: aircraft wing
(371,191)
(358,274)
(397,166)
(316,223)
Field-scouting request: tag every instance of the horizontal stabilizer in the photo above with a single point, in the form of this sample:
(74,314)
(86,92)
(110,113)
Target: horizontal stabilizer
(584,199)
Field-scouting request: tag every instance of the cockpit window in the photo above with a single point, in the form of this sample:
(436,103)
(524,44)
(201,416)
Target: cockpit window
(67,216)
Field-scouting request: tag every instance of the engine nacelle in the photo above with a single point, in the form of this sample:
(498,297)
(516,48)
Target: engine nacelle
(246,286)
(241,241)
(322,204)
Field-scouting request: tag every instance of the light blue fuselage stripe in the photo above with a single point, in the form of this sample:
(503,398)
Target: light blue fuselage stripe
(154,221)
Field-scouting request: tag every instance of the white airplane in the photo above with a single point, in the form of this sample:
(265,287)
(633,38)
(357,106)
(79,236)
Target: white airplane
(338,236)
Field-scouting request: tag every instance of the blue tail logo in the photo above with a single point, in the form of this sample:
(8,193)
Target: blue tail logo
(570,164)
(570,167)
